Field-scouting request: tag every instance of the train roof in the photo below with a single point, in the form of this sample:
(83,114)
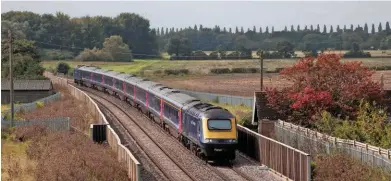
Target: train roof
(175,96)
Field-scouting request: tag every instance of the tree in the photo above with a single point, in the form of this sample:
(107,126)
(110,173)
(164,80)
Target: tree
(224,30)
(324,29)
(388,27)
(373,29)
(318,28)
(267,30)
(380,28)
(236,30)
(230,30)
(285,48)
(344,28)
(117,49)
(26,60)
(195,27)
(292,29)
(285,29)
(272,29)
(305,28)
(179,47)
(241,30)
(338,29)
(298,28)
(260,30)
(325,83)
(311,28)
(63,67)
(366,28)
(331,29)
(254,30)
(351,27)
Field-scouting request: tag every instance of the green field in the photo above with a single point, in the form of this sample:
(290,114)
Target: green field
(148,67)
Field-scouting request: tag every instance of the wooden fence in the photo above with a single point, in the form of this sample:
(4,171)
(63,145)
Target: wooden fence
(314,142)
(282,159)
(123,153)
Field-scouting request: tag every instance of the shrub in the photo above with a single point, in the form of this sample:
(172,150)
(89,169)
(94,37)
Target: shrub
(339,166)
(157,72)
(245,70)
(199,55)
(176,71)
(214,55)
(94,55)
(359,54)
(39,104)
(233,55)
(71,156)
(24,133)
(53,54)
(63,67)
(220,70)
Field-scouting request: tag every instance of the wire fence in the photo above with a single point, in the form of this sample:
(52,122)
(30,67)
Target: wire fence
(314,143)
(53,124)
(220,98)
(33,105)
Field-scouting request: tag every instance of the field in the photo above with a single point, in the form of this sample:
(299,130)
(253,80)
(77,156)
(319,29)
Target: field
(374,53)
(200,67)
(239,84)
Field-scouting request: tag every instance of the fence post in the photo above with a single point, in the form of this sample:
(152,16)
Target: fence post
(309,168)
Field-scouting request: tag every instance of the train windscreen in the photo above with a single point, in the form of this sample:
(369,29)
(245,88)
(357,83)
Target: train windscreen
(217,124)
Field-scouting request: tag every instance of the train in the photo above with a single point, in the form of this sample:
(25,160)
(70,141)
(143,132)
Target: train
(209,131)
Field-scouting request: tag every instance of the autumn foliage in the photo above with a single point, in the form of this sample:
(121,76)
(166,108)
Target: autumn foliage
(323,83)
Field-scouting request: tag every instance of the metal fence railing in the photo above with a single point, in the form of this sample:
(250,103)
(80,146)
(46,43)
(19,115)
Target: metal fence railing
(283,159)
(33,105)
(314,143)
(220,98)
(53,124)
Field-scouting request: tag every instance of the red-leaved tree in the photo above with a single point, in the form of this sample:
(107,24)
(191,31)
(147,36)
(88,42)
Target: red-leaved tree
(324,83)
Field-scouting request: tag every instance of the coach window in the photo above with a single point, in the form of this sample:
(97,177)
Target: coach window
(129,89)
(108,81)
(118,84)
(97,77)
(171,113)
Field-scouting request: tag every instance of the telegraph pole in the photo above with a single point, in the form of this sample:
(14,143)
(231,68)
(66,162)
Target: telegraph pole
(261,61)
(11,77)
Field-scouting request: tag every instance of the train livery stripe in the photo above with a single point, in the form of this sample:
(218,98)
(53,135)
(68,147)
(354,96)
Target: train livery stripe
(146,99)
(180,121)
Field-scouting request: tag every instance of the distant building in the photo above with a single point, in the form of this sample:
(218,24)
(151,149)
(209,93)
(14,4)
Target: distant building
(26,91)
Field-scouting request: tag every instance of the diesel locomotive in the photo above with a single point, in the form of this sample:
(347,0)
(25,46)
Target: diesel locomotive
(207,130)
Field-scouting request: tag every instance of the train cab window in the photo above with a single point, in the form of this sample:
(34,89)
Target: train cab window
(215,124)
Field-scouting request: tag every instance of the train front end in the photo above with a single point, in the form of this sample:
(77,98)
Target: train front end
(219,138)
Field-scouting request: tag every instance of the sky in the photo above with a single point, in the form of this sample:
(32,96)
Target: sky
(223,13)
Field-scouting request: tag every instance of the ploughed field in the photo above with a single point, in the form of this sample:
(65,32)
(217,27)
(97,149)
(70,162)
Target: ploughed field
(240,84)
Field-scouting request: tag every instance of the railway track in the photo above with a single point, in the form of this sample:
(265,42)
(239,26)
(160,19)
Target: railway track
(189,167)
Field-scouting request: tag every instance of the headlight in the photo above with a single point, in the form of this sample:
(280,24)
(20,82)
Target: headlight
(232,141)
(208,140)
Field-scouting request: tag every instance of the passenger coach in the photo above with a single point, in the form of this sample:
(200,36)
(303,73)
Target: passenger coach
(208,131)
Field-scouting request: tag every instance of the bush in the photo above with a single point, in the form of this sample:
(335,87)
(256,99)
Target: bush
(39,104)
(214,55)
(157,72)
(359,54)
(71,156)
(339,166)
(220,70)
(245,70)
(94,55)
(176,71)
(199,55)
(233,55)
(63,67)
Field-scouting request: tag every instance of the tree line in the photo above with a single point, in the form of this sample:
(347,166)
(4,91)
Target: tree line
(61,32)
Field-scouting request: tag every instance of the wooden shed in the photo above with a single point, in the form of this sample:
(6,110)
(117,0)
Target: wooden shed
(26,91)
